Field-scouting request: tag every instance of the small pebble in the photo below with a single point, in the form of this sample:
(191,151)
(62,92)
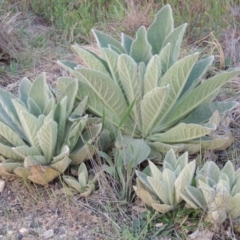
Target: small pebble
(10,233)
(48,234)
(63,236)
(2,185)
(23,231)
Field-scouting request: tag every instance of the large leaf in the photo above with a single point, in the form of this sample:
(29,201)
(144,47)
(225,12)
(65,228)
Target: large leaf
(127,69)
(82,154)
(175,40)
(7,168)
(160,189)
(69,66)
(106,90)
(152,75)
(176,77)
(151,107)
(219,143)
(141,50)
(6,102)
(144,195)
(8,152)
(83,175)
(164,57)
(184,179)
(42,175)
(8,113)
(183,160)
(234,206)
(83,149)
(198,71)
(74,131)
(204,112)
(229,170)
(199,96)
(60,117)
(80,108)
(22,172)
(72,182)
(90,59)
(104,40)
(111,58)
(47,137)
(96,106)
(63,83)
(162,26)
(141,73)
(10,135)
(35,160)
(208,192)
(212,171)
(64,152)
(33,107)
(62,165)
(115,49)
(142,180)
(162,208)
(168,179)
(126,42)
(7,117)
(132,150)
(193,197)
(70,93)
(38,91)
(183,133)
(164,148)
(156,173)
(49,106)
(170,160)
(30,125)
(23,90)
(25,151)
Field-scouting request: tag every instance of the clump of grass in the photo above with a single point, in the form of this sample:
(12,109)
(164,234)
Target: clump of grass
(28,46)
(10,46)
(230,38)
(202,17)
(77,18)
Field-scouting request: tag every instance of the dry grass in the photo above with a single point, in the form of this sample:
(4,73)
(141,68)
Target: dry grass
(137,15)
(10,44)
(231,39)
(28,47)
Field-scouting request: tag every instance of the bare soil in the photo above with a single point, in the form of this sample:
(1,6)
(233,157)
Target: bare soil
(33,212)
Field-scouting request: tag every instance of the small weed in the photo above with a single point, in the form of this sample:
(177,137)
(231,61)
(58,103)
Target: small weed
(13,67)
(39,41)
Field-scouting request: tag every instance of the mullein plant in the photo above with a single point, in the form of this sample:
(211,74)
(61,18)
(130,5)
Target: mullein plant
(142,88)
(217,192)
(213,190)
(83,185)
(160,189)
(41,136)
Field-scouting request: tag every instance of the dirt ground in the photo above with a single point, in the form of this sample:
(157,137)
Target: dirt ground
(30,212)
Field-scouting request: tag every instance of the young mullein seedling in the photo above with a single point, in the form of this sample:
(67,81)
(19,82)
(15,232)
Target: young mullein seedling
(83,185)
(217,190)
(160,189)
